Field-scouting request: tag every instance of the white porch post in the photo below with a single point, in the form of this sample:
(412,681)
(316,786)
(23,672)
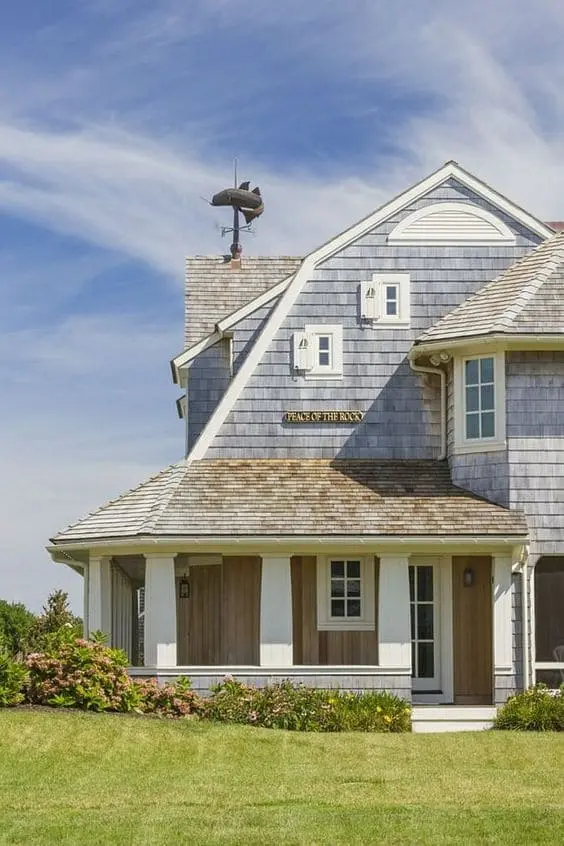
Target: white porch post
(276,647)
(394,627)
(160,611)
(99,584)
(502,613)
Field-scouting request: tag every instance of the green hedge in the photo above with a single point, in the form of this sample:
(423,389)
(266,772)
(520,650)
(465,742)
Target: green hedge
(537,709)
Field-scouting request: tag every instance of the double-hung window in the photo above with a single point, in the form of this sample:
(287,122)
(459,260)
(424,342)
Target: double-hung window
(345,592)
(480,403)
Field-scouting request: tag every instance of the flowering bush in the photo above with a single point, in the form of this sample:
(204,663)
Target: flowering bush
(299,708)
(537,709)
(168,700)
(78,673)
(12,678)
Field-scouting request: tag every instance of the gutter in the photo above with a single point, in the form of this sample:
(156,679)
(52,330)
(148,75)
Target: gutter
(437,371)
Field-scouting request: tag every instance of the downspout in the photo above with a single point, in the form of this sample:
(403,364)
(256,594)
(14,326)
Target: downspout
(438,371)
(525,614)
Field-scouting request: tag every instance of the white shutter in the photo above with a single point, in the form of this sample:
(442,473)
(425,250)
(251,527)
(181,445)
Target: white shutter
(303,351)
(369,300)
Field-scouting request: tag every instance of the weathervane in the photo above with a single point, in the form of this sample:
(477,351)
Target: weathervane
(248,203)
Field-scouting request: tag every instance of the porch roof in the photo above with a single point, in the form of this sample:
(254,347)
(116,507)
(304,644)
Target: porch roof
(292,497)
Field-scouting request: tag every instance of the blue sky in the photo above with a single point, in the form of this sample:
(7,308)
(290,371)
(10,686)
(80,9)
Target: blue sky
(116,117)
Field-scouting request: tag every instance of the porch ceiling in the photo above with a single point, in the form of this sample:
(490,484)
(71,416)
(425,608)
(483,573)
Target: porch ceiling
(297,498)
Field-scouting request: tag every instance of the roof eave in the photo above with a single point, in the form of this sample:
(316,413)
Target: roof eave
(178,543)
(497,340)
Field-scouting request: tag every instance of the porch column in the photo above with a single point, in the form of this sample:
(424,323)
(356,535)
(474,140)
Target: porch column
(99,602)
(502,614)
(160,611)
(394,627)
(276,647)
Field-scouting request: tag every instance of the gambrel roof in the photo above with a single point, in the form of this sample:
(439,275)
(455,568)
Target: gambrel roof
(291,497)
(527,299)
(217,287)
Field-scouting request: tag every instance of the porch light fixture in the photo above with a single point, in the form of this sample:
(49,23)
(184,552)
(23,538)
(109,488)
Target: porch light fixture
(184,589)
(468,577)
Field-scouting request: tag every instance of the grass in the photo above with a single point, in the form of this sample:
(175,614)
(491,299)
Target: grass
(79,778)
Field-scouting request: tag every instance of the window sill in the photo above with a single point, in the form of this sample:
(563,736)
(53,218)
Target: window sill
(347,626)
(479,446)
(316,374)
(380,323)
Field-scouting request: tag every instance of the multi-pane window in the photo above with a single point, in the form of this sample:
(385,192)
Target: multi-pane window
(391,300)
(422,608)
(479,398)
(324,350)
(346,589)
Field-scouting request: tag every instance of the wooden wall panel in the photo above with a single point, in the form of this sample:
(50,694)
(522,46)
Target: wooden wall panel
(472,631)
(240,611)
(312,647)
(199,617)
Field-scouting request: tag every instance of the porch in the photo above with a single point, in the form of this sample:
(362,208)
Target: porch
(431,627)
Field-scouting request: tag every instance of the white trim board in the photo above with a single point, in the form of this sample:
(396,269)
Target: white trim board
(288,298)
(223,325)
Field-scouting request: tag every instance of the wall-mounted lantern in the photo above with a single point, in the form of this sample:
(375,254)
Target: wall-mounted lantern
(184,589)
(468,577)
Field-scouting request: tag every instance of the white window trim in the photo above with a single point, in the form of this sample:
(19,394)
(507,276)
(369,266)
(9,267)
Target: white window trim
(326,623)
(335,369)
(463,445)
(401,320)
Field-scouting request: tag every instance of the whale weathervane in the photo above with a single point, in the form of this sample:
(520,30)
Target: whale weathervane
(242,200)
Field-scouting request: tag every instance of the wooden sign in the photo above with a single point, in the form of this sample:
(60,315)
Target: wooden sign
(332,416)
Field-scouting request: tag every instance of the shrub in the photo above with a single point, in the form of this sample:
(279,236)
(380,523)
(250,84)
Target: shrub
(56,618)
(13,675)
(77,673)
(168,700)
(16,623)
(300,708)
(537,709)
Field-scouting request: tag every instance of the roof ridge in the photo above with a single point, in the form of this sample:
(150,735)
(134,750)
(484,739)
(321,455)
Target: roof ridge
(531,287)
(177,472)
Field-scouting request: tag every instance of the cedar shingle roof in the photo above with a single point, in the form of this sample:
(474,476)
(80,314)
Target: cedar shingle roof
(215,290)
(298,497)
(526,298)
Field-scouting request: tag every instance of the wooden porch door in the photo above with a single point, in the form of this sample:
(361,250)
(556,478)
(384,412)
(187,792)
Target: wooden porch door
(472,630)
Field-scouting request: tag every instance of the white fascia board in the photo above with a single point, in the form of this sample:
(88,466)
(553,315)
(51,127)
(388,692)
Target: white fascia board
(290,544)
(224,325)
(232,319)
(488,342)
(324,252)
(183,358)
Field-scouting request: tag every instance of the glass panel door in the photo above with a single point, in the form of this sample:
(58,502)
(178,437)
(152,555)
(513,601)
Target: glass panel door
(423,605)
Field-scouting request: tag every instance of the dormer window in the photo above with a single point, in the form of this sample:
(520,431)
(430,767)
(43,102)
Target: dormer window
(479,407)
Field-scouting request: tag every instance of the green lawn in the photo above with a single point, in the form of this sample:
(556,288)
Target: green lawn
(93,779)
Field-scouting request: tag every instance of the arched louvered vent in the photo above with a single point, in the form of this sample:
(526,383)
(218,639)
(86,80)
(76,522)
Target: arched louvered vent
(451,223)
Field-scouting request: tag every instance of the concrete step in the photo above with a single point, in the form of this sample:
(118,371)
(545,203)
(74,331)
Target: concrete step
(439,718)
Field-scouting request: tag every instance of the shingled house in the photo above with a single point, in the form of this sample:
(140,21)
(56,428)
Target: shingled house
(373,488)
